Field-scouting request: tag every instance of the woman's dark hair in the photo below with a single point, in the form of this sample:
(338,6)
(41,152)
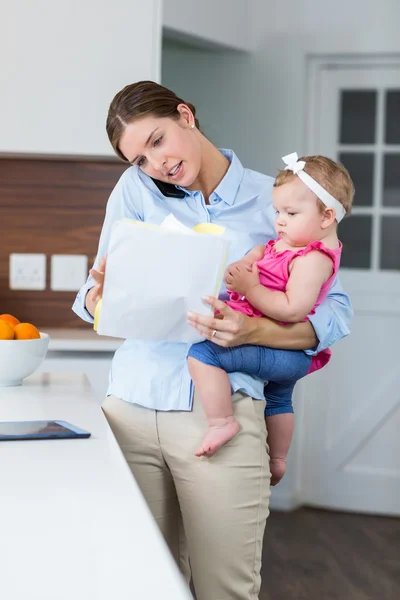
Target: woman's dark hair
(139,100)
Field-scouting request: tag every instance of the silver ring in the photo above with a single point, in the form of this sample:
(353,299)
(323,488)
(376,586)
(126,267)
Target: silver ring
(213,333)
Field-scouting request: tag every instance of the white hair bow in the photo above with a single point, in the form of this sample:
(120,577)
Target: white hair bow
(293,163)
(297,166)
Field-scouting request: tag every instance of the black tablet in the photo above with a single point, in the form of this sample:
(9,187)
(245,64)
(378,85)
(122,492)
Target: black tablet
(40,430)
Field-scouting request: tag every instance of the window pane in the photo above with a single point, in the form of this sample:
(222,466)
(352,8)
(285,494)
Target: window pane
(392,126)
(355,233)
(357,117)
(390,243)
(361,169)
(391,180)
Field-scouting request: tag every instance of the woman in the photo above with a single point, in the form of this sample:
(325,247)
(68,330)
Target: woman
(212,510)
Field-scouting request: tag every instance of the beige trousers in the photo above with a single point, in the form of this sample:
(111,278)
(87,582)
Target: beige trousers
(221,501)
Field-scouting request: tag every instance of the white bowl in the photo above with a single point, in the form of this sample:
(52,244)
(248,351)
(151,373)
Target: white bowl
(20,358)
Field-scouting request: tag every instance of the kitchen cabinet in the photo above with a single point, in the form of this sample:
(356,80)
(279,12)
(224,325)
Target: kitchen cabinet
(223,24)
(61,65)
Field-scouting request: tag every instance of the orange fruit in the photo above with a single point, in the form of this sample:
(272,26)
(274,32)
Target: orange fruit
(10,319)
(6,331)
(26,331)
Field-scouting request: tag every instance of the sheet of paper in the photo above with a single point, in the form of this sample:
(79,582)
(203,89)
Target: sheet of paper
(155,275)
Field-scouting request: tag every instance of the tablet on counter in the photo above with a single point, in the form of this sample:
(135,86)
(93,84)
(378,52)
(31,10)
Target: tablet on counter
(40,430)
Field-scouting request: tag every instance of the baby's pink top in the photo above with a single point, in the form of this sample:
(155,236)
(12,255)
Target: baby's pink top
(274,274)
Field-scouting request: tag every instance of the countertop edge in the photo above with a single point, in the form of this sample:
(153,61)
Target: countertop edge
(80,340)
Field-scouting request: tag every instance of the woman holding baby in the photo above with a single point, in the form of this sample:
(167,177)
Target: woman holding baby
(212,510)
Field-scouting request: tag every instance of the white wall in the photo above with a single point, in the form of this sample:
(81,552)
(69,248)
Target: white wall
(61,64)
(210,80)
(285,35)
(362,19)
(224,22)
(256,103)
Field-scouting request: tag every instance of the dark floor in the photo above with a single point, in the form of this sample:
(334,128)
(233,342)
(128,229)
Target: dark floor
(321,555)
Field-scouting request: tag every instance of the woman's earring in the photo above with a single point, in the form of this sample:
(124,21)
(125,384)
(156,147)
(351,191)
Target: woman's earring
(192,126)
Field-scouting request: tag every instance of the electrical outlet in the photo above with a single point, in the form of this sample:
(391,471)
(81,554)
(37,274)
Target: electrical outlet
(27,272)
(68,272)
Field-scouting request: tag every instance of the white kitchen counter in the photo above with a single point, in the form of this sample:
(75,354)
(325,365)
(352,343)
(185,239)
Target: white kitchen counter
(81,340)
(73,523)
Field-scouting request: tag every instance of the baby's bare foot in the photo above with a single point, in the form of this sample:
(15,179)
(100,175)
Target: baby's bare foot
(219,432)
(277,466)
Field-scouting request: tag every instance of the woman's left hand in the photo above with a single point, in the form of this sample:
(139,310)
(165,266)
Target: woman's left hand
(229,328)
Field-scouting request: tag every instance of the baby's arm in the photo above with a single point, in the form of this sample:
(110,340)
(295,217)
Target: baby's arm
(307,276)
(257,253)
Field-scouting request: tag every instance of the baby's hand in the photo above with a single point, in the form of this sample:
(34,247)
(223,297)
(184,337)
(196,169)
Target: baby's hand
(240,278)
(247,264)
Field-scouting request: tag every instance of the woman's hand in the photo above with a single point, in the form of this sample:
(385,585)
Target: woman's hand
(96,292)
(232,328)
(98,276)
(228,328)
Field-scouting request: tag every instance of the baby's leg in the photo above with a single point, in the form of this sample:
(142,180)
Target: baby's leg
(214,388)
(279,419)
(290,366)
(280,427)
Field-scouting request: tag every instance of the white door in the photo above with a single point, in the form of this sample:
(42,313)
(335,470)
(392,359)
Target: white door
(351,430)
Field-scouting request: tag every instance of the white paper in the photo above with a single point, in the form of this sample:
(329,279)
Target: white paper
(155,275)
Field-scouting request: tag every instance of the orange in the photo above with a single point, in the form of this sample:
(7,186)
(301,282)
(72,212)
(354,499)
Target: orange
(6,331)
(26,331)
(10,319)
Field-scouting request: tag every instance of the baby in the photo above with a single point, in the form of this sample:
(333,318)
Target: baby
(284,280)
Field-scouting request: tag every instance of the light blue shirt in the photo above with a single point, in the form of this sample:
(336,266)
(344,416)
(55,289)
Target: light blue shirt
(155,374)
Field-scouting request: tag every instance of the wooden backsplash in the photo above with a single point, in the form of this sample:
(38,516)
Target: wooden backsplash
(50,207)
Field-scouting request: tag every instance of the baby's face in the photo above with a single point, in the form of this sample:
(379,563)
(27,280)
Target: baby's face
(298,216)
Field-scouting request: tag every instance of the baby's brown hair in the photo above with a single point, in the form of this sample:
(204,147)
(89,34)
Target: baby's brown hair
(333,177)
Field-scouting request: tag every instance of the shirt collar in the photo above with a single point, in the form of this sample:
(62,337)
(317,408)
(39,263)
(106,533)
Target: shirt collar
(229,185)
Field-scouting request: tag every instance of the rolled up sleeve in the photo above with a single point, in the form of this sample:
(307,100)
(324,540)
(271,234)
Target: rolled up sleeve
(79,305)
(332,318)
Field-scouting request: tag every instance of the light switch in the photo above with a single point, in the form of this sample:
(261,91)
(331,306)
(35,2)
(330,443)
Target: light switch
(27,272)
(68,272)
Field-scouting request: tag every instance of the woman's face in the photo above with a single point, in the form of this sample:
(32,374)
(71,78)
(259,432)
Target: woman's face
(164,148)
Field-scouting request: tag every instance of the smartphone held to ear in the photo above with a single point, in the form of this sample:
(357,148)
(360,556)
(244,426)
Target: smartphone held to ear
(40,430)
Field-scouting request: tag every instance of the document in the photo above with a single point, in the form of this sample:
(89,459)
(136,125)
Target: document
(155,275)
